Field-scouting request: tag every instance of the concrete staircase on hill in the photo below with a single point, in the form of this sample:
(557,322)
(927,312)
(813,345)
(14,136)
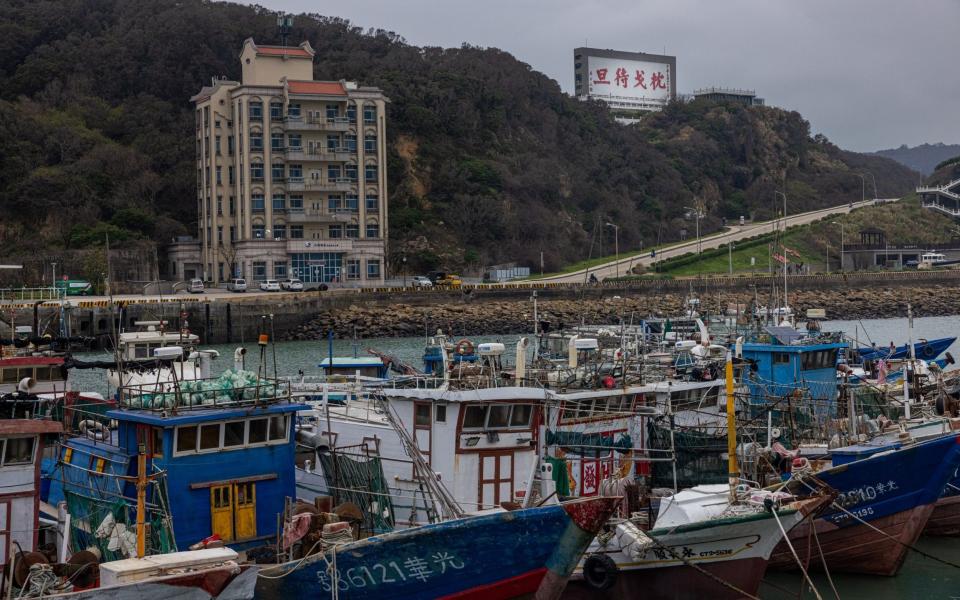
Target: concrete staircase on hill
(944,198)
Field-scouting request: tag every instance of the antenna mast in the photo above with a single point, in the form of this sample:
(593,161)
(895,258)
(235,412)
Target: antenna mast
(284,25)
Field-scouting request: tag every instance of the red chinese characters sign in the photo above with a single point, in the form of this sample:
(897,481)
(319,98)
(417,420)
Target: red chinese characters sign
(614,77)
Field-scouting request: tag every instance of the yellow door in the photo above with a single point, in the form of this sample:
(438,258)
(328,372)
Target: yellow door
(245,503)
(221,511)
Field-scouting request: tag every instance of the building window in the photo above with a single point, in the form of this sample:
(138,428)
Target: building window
(233,233)
(370,144)
(293,110)
(296,203)
(353,203)
(353,269)
(352,230)
(335,232)
(351,141)
(333,173)
(373,269)
(219,205)
(373,230)
(373,203)
(352,113)
(276,142)
(256,172)
(230,176)
(220,234)
(259,270)
(219,175)
(332,112)
(256,203)
(369,113)
(256,111)
(296,232)
(296,172)
(351,172)
(277,172)
(370,173)
(279,231)
(256,142)
(294,141)
(259,231)
(276,111)
(216,145)
(230,145)
(279,270)
(279,202)
(333,143)
(233,206)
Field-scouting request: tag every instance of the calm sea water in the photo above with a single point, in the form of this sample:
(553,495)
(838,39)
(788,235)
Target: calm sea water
(919,578)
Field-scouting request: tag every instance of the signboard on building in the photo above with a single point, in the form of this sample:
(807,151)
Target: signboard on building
(629,82)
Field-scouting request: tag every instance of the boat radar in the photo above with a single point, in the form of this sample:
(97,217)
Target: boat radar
(169,352)
(491,349)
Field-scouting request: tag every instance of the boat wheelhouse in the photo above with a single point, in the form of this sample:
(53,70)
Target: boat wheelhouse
(226,449)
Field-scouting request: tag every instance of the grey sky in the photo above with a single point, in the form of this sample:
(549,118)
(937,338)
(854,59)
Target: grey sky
(869,74)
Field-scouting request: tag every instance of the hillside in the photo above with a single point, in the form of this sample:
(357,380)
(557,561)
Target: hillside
(923,158)
(488,160)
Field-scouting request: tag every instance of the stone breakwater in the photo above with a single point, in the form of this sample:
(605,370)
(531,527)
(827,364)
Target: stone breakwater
(477,316)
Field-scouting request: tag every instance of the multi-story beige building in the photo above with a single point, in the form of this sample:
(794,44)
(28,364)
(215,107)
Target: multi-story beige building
(291,175)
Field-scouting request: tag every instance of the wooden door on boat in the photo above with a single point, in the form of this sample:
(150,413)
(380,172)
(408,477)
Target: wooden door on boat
(495,479)
(245,510)
(422,427)
(221,511)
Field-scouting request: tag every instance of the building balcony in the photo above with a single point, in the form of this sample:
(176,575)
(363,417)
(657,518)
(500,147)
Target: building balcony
(338,155)
(296,184)
(317,124)
(319,216)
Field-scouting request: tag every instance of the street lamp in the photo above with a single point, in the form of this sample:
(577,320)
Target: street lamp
(840,223)
(863,188)
(775,192)
(616,245)
(698,215)
(874,180)
(404,260)
(730,255)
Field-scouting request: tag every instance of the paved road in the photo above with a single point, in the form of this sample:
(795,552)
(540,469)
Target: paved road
(731,234)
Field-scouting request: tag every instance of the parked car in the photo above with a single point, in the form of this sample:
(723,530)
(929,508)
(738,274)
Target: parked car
(195,286)
(292,285)
(270,285)
(421,281)
(237,285)
(441,279)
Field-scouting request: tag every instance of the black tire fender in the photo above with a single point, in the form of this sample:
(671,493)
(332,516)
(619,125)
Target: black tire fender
(600,571)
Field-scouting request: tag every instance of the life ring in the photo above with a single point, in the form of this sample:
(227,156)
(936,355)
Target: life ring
(463,347)
(94,429)
(599,571)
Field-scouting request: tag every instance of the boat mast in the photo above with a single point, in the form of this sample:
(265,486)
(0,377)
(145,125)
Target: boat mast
(733,470)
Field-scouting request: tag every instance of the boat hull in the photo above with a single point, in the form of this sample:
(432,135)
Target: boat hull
(209,584)
(498,555)
(894,492)
(945,518)
(927,350)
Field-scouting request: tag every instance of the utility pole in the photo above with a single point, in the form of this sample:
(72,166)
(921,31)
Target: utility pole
(775,192)
(616,245)
(730,255)
(840,223)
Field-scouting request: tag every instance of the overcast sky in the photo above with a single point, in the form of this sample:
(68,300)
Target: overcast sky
(869,74)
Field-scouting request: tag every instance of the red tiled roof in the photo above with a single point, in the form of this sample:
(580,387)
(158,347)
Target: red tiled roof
(325,88)
(295,51)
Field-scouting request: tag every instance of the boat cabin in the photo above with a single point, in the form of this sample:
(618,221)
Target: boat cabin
(364,366)
(141,344)
(37,374)
(21,448)
(229,465)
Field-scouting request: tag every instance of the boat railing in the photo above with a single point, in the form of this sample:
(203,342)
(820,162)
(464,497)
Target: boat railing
(201,394)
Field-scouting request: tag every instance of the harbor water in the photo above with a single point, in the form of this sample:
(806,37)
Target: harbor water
(920,577)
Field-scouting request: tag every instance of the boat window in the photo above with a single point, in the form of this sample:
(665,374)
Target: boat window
(440,413)
(499,416)
(600,406)
(18,451)
(781,358)
(475,417)
(141,351)
(583,408)
(521,415)
(157,444)
(187,438)
(421,414)
(10,375)
(233,433)
(278,428)
(42,374)
(258,431)
(210,437)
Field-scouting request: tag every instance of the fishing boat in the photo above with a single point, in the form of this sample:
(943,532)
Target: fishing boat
(500,554)
(886,495)
(925,349)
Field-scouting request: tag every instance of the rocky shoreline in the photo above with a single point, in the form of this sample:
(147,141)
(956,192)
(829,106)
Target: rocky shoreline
(476,316)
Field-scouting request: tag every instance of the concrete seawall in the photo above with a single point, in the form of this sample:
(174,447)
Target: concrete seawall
(493,309)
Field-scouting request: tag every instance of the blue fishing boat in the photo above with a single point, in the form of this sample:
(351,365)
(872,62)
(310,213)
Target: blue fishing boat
(882,486)
(925,349)
(504,554)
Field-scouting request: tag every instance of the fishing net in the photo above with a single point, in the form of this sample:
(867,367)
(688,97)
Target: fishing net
(362,483)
